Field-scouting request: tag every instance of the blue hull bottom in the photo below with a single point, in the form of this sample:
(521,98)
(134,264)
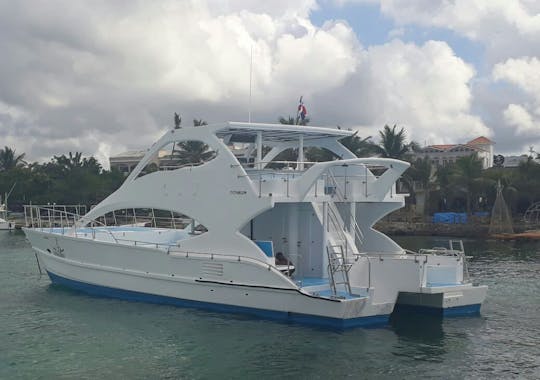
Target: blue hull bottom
(458,311)
(103,291)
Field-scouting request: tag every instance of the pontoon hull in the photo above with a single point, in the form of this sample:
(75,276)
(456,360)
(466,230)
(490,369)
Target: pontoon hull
(78,269)
(103,291)
(458,300)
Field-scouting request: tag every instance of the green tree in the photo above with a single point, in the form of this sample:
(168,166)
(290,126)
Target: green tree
(292,120)
(360,147)
(393,144)
(193,152)
(199,122)
(10,160)
(466,176)
(421,173)
(527,180)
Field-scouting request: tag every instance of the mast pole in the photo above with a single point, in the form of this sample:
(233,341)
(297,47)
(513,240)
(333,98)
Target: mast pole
(250,81)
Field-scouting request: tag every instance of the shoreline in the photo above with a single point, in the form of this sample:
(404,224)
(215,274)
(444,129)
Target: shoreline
(472,229)
(414,228)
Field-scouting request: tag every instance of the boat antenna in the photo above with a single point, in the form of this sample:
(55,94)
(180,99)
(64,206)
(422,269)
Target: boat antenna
(250,80)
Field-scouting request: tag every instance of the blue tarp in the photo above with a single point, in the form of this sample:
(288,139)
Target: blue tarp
(450,217)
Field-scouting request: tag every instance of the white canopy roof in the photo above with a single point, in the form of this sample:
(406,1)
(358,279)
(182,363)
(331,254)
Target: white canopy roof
(247,132)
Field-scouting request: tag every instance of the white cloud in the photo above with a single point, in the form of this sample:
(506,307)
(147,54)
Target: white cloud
(425,88)
(525,74)
(103,77)
(474,18)
(520,118)
(504,28)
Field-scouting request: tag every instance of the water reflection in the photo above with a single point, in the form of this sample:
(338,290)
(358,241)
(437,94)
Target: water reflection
(420,337)
(52,332)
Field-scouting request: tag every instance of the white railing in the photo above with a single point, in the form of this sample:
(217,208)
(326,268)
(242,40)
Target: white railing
(340,197)
(175,251)
(66,215)
(458,252)
(52,217)
(57,219)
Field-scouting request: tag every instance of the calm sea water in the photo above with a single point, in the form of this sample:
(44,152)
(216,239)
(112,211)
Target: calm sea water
(48,332)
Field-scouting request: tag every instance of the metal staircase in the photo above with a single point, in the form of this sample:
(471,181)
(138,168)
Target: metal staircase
(342,237)
(338,268)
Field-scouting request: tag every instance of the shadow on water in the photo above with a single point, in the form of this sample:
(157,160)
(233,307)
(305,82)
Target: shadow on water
(418,327)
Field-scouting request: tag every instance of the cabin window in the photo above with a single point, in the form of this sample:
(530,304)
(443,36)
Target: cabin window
(179,155)
(150,217)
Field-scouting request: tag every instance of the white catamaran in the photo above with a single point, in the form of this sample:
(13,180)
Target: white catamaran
(282,240)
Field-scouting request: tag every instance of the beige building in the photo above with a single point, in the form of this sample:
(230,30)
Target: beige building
(442,155)
(126,161)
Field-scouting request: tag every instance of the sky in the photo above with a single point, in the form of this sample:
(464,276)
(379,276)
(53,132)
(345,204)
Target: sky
(102,77)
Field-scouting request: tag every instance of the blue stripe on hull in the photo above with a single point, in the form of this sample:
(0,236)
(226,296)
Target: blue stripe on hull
(103,291)
(456,311)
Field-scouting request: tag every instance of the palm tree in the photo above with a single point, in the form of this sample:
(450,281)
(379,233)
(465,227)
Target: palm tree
(288,121)
(199,122)
(292,120)
(420,172)
(466,176)
(314,154)
(193,152)
(393,144)
(360,147)
(9,160)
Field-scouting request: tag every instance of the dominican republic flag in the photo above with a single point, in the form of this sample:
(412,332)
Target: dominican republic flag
(302,111)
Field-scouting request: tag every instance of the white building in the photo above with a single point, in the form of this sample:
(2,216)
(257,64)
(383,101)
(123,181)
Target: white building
(442,155)
(515,161)
(125,162)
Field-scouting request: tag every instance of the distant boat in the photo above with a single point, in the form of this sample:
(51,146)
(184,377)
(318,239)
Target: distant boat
(288,240)
(527,235)
(4,223)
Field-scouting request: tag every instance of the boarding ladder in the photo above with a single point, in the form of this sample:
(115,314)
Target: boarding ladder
(339,247)
(338,268)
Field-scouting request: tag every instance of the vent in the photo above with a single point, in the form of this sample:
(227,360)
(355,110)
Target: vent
(212,269)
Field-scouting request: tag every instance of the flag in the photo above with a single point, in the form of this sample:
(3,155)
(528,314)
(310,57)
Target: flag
(302,111)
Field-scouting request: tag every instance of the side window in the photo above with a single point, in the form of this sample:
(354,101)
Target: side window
(180,154)
(148,217)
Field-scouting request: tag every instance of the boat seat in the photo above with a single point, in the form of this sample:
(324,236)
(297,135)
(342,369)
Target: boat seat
(267,246)
(287,270)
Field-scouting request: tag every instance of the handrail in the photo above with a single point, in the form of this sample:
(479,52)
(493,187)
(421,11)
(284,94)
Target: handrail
(62,214)
(143,243)
(355,226)
(337,227)
(231,257)
(443,251)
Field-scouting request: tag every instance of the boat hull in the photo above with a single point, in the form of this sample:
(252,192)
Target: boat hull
(70,263)
(448,301)
(103,291)
(6,226)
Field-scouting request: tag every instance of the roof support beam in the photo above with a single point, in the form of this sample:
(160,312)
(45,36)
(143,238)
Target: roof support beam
(258,142)
(300,165)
